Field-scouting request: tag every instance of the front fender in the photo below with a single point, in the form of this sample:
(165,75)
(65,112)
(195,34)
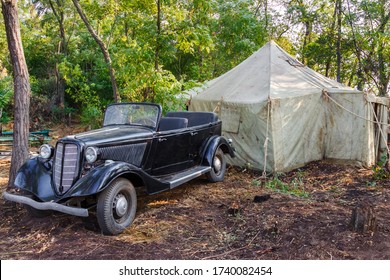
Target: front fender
(35,177)
(99,178)
(211,147)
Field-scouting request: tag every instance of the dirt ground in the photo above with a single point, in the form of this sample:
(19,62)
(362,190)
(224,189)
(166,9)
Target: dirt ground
(304,214)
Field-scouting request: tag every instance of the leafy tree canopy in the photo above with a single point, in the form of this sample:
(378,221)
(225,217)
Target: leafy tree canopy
(158,48)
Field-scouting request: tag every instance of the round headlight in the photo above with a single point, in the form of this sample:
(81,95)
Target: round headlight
(91,154)
(45,151)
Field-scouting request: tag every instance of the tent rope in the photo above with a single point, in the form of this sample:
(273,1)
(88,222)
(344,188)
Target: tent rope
(264,175)
(217,108)
(328,97)
(380,129)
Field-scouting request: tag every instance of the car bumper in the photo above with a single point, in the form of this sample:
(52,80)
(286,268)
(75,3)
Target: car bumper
(75,211)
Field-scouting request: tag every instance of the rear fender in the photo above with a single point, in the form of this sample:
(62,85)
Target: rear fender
(212,145)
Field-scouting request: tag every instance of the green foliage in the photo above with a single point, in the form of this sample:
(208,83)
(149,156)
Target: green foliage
(198,40)
(285,44)
(296,187)
(380,171)
(92,116)
(6,92)
(79,88)
(39,105)
(166,88)
(256,183)
(238,34)
(60,114)
(3,47)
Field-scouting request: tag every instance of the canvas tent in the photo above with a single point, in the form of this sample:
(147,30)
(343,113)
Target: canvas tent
(282,115)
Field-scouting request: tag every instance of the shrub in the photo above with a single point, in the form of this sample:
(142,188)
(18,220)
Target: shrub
(92,116)
(5,97)
(296,187)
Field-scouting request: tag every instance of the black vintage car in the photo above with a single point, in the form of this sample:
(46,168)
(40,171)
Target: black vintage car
(135,148)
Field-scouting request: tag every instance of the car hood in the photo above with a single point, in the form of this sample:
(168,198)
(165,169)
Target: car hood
(114,134)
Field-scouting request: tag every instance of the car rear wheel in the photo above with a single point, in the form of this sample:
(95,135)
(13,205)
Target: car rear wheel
(116,207)
(218,167)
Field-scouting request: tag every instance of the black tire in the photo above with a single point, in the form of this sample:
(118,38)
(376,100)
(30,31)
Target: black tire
(33,212)
(116,207)
(218,168)
(36,213)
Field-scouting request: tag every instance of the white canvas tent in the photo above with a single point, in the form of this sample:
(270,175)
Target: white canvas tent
(282,115)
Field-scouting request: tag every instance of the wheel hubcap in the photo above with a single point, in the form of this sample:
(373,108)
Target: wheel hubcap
(217,164)
(121,205)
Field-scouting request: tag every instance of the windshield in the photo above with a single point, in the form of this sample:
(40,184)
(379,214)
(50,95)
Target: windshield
(142,114)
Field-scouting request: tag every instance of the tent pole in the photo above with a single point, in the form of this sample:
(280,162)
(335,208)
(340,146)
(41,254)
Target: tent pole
(264,175)
(379,133)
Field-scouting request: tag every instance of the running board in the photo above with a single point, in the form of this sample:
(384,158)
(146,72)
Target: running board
(185,176)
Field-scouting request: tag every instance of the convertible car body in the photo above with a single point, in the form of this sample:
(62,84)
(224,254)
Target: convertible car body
(101,169)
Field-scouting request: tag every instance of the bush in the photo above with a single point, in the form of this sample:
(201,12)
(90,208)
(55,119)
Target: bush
(380,171)
(92,116)
(39,107)
(5,98)
(61,114)
(295,188)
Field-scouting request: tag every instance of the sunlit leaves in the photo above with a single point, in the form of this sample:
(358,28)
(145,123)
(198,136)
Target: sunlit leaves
(198,40)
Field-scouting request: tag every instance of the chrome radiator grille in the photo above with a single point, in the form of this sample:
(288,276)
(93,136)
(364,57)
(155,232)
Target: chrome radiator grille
(65,166)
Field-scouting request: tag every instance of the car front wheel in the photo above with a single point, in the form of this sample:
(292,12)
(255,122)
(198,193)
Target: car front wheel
(218,167)
(35,213)
(116,207)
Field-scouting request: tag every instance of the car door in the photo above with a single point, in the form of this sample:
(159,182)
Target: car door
(171,152)
(199,137)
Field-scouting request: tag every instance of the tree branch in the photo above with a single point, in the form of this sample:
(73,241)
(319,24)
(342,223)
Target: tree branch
(103,48)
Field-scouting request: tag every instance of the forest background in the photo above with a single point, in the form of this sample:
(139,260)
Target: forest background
(159,48)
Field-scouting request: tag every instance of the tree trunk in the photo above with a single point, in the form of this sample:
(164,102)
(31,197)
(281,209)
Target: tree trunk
(359,72)
(62,49)
(150,92)
(103,48)
(363,218)
(1,125)
(266,14)
(330,40)
(384,76)
(338,44)
(157,52)
(21,88)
